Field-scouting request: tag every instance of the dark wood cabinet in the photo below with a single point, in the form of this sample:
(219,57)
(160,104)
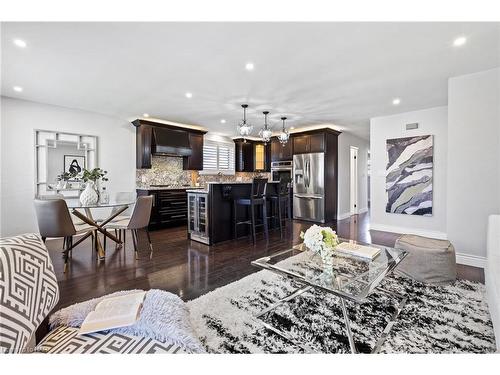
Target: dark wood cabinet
(169,208)
(244,155)
(317,142)
(194,162)
(300,144)
(281,152)
(305,143)
(145,140)
(252,156)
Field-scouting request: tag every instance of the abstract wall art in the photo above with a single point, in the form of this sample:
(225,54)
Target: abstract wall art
(409,175)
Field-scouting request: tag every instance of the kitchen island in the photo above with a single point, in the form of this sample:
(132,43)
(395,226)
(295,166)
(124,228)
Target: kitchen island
(210,211)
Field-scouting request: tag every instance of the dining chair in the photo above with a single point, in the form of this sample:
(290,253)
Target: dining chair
(123,197)
(139,220)
(54,221)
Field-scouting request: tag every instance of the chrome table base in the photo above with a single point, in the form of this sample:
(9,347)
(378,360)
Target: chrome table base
(352,346)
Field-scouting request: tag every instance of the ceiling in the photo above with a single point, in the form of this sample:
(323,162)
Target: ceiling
(338,74)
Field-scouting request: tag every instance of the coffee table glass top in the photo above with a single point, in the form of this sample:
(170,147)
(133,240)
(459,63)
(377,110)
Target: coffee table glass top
(350,277)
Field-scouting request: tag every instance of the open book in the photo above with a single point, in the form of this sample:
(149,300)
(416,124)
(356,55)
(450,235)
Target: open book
(113,312)
(357,250)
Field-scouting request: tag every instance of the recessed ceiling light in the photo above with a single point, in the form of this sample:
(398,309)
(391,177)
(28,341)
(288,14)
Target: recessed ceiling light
(145,114)
(249,66)
(189,95)
(222,121)
(460,41)
(396,101)
(18,89)
(20,43)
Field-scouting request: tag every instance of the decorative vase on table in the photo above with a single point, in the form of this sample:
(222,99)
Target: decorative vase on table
(89,195)
(322,241)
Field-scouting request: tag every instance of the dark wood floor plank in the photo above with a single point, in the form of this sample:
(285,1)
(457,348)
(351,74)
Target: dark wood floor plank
(188,268)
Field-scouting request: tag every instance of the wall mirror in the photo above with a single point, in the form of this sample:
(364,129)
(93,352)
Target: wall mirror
(58,153)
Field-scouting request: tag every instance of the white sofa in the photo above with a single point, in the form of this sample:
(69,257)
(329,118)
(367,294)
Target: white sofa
(492,273)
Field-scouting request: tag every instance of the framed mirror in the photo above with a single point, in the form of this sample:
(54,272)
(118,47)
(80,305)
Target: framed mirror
(59,157)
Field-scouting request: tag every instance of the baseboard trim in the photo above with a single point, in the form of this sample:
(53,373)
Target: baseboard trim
(404,230)
(343,216)
(471,260)
(465,259)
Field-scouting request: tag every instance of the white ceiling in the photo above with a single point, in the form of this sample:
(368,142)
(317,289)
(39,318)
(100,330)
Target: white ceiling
(314,73)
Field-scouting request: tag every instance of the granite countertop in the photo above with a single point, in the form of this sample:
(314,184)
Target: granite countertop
(235,182)
(198,190)
(168,187)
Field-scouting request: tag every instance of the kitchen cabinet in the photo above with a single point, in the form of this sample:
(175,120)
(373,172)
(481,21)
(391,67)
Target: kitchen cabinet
(182,142)
(194,162)
(169,207)
(244,155)
(252,156)
(144,140)
(306,143)
(281,152)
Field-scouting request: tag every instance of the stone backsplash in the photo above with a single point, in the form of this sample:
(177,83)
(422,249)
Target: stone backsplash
(167,170)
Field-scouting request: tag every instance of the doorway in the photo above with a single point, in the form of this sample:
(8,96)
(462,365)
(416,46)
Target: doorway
(354,181)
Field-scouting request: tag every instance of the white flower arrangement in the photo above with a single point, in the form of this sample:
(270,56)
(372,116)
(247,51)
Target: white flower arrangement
(320,239)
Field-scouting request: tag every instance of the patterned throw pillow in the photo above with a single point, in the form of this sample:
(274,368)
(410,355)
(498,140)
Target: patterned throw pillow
(28,289)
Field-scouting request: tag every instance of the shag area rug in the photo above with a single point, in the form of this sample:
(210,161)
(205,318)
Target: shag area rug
(436,319)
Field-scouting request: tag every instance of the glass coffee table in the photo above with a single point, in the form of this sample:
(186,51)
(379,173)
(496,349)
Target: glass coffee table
(347,277)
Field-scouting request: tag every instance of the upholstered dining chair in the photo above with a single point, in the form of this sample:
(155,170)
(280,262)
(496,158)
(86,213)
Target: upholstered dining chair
(139,220)
(54,221)
(122,197)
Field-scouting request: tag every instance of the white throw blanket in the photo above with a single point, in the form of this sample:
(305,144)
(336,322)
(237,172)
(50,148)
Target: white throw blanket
(164,317)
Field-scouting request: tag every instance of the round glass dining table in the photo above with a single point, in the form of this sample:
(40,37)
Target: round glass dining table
(119,206)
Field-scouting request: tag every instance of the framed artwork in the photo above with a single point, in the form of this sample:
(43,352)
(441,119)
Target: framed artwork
(74,163)
(409,175)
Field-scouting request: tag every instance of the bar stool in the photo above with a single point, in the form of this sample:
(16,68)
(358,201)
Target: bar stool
(281,200)
(257,199)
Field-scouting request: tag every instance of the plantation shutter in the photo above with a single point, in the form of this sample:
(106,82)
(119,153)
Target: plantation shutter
(218,157)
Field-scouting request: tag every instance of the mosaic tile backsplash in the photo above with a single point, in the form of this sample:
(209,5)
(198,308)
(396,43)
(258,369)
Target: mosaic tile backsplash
(166,170)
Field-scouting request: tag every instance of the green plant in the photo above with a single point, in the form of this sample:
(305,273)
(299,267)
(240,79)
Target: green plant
(94,175)
(66,176)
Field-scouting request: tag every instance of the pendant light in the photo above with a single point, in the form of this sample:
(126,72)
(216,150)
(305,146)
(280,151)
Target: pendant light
(244,128)
(265,133)
(284,135)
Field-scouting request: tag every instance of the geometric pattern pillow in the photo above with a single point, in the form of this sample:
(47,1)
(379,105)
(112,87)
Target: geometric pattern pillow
(28,289)
(66,340)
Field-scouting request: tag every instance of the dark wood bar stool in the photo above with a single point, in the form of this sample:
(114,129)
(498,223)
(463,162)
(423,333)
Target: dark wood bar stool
(257,199)
(281,201)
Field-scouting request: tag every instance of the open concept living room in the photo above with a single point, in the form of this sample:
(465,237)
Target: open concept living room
(249,187)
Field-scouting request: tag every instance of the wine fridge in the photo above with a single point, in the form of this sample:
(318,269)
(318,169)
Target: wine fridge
(198,217)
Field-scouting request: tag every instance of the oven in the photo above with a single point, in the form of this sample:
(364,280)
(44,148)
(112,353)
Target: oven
(281,169)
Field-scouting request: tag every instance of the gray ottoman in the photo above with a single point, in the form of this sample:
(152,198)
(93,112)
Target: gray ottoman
(428,260)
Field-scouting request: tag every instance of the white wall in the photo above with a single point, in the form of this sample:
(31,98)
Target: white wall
(431,121)
(346,140)
(19,118)
(473,159)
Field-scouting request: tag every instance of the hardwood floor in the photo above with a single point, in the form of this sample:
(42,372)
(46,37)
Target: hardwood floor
(187,268)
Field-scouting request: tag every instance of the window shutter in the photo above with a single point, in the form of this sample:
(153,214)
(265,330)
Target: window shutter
(209,156)
(218,157)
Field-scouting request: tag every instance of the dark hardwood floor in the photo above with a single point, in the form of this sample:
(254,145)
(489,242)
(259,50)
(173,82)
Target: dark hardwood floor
(187,268)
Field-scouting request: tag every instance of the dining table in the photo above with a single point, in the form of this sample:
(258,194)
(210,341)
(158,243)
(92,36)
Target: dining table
(84,213)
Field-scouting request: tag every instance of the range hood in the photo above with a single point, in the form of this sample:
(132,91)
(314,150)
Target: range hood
(171,142)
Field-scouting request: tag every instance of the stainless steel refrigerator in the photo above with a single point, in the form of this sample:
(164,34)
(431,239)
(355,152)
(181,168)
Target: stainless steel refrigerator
(309,187)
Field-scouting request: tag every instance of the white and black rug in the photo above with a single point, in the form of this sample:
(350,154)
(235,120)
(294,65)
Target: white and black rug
(436,319)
